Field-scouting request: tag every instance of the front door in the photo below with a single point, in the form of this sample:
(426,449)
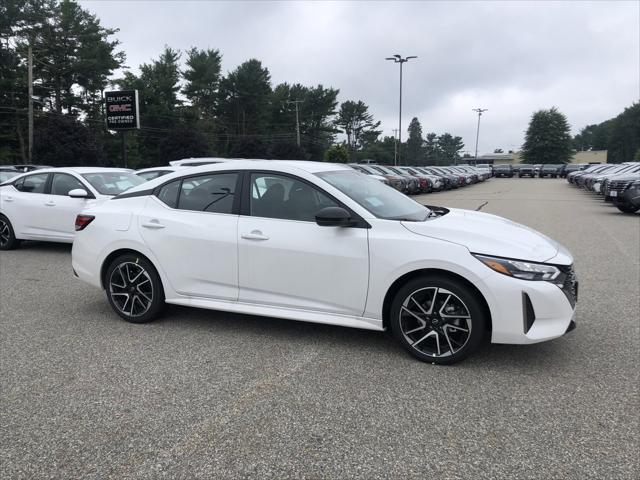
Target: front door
(287,260)
(61,209)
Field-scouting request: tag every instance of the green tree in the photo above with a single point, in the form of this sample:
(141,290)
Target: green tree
(337,154)
(415,149)
(73,55)
(547,139)
(202,78)
(624,137)
(244,108)
(431,149)
(449,148)
(62,140)
(357,123)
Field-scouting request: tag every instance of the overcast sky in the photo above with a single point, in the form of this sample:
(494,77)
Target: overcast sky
(510,57)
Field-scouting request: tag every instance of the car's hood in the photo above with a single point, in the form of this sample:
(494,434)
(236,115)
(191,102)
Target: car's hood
(488,234)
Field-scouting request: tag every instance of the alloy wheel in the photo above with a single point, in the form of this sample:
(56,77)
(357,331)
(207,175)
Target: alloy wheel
(435,322)
(131,289)
(5,233)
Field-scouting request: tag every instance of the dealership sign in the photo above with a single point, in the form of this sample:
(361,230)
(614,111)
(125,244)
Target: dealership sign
(122,110)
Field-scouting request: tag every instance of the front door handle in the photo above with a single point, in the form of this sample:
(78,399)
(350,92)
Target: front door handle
(50,203)
(254,235)
(153,224)
(8,199)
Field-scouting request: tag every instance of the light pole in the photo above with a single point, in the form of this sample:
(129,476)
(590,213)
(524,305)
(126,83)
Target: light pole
(480,111)
(398,59)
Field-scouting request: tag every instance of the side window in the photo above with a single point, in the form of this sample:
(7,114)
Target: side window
(63,183)
(33,183)
(275,196)
(169,193)
(208,193)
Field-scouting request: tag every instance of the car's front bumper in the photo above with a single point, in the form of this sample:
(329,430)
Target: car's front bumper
(524,312)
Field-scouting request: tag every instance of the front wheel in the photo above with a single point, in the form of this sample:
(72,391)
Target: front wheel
(134,289)
(627,208)
(8,240)
(437,319)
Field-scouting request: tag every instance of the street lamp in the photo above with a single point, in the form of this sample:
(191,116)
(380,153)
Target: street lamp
(398,59)
(480,111)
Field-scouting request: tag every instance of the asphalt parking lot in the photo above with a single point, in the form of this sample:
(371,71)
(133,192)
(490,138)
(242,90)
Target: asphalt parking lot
(201,394)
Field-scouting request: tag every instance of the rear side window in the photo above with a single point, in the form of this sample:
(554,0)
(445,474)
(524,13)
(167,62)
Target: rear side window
(169,193)
(32,183)
(208,193)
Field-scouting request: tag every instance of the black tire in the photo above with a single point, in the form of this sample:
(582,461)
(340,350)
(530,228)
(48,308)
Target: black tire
(627,208)
(133,277)
(8,240)
(456,344)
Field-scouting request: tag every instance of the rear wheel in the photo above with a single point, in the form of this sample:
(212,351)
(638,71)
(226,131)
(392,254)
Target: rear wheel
(134,289)
(8,240)
(437,319)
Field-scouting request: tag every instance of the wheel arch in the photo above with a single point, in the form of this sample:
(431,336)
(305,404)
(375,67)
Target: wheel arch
(396,285)
(123,251)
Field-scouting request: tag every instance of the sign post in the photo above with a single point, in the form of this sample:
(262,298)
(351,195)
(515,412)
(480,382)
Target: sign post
(122,114)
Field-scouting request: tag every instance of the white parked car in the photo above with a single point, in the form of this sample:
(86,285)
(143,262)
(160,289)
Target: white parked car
(323,243)
(43,204)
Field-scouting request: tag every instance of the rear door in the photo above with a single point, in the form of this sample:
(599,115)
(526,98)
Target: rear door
(191,226)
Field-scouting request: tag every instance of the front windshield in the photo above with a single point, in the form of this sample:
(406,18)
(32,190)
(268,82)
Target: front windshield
(379,199)
(6,175)
(113,183)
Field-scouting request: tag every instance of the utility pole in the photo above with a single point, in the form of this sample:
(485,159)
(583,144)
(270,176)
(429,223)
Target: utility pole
(395,146)
(480,111)
(397,58)
(296,102)
(30,101)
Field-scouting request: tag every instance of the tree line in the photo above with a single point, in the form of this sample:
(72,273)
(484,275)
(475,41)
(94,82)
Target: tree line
(189,108)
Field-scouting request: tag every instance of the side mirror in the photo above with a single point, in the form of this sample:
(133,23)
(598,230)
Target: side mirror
(78,193)
(334,217)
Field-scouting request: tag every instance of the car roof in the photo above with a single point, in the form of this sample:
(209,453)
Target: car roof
(81,170)
(257,164)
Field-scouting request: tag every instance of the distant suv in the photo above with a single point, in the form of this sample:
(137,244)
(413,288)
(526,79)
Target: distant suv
(526,170)
(505,170)
(624,190)
(549,170)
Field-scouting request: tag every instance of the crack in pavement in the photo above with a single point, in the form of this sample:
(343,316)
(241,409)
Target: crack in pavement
(480,206)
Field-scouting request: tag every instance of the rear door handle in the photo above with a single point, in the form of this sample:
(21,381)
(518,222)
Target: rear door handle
(8,199)
(153,224)
(254,235)
(50,204)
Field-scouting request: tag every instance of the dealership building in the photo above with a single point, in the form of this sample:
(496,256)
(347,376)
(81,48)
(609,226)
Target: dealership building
(591,156)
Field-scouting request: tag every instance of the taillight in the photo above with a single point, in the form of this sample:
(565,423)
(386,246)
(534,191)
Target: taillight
(82,221)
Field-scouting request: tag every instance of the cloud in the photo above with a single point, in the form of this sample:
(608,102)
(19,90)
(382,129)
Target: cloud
(512,58)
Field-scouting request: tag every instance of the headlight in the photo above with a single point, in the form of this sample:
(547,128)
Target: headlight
(520,269)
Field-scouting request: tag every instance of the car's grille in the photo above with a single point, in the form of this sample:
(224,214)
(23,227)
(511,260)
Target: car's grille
(568,283)
(618,186)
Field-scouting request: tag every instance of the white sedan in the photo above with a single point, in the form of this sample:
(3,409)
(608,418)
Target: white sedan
(322,243)
(43,204)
